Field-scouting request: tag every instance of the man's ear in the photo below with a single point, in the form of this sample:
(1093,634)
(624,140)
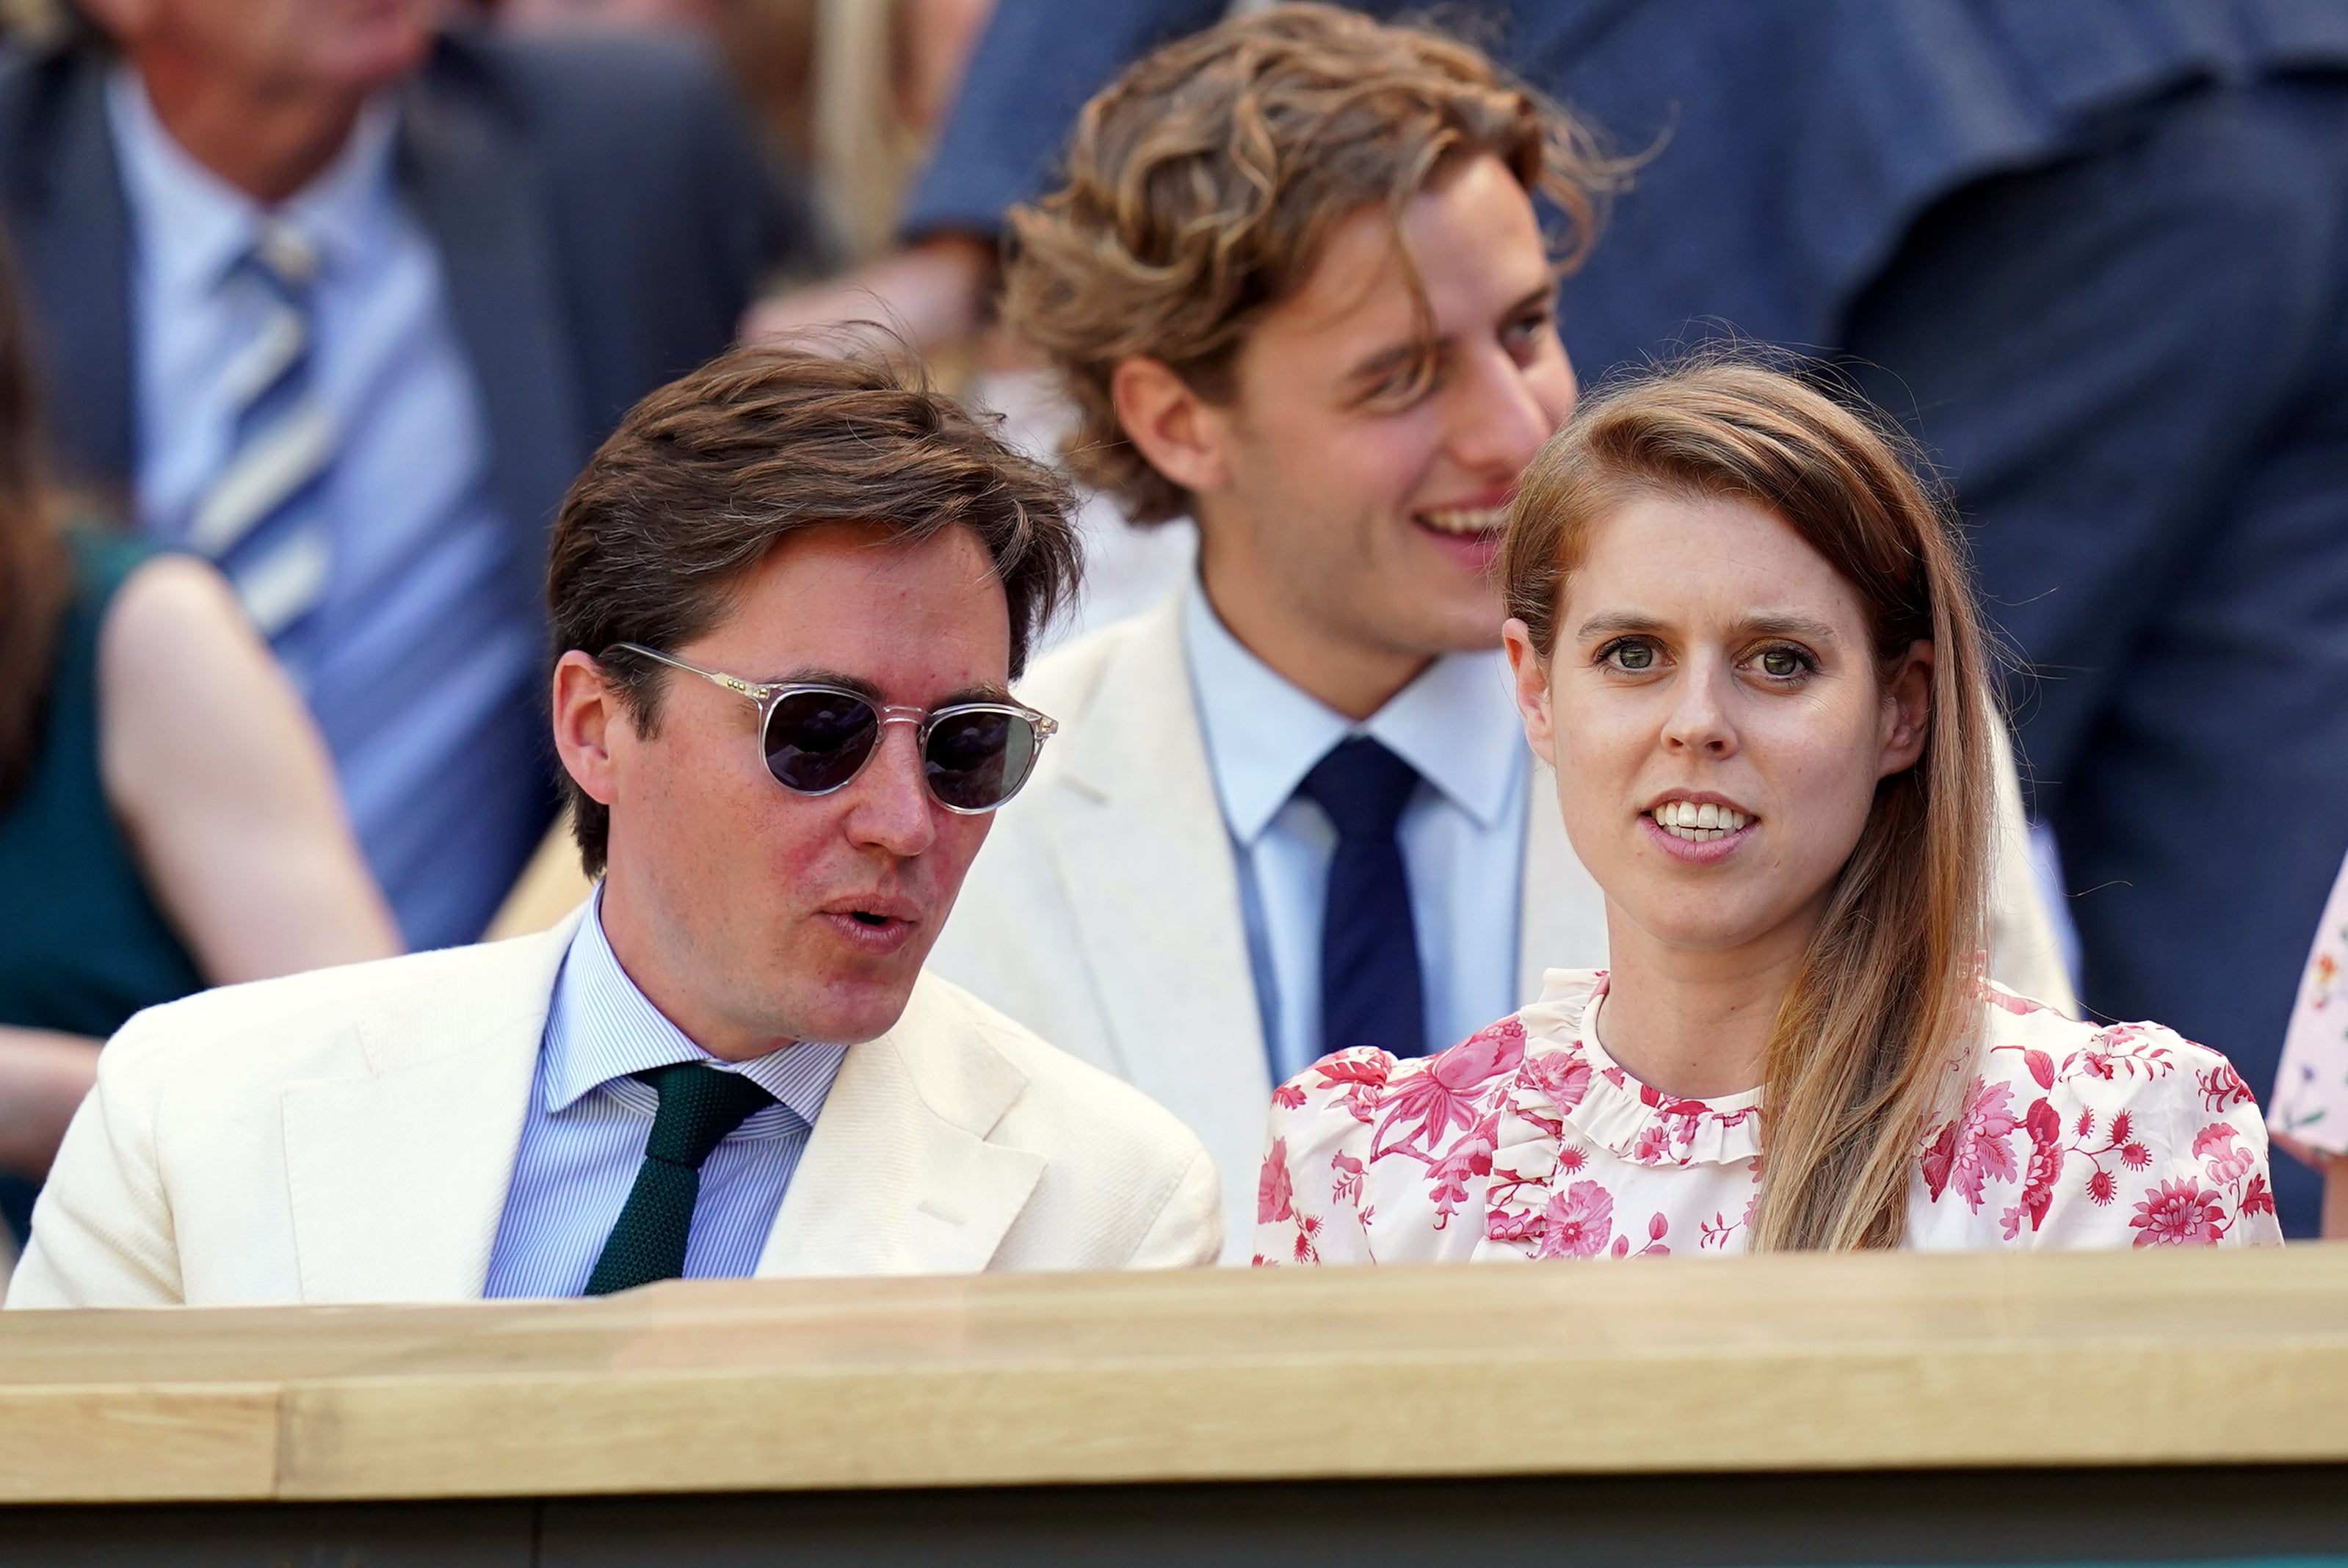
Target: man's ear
(587,714)
(1907,710)
(1178,432)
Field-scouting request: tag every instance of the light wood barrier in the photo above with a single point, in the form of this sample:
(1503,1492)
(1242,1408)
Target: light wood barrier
(1769,1407)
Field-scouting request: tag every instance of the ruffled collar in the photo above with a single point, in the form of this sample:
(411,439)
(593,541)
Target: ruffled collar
(1569,1079)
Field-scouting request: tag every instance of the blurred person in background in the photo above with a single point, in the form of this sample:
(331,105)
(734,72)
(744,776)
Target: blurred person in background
(341,299)
(2095,254)
(2309,1116)
(168,816)
(1294,810)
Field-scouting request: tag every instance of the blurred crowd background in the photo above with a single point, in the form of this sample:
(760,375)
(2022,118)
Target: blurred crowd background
(2087,250)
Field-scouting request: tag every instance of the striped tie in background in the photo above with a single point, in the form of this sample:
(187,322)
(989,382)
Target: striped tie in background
(262,518)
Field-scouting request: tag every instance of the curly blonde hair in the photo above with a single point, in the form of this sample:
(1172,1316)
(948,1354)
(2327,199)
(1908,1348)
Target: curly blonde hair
(1203,184)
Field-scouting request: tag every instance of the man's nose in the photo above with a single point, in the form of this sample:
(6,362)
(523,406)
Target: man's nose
(1501,419)
(890,806)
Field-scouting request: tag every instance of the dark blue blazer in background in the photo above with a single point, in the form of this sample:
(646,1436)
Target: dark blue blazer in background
(2096,253)
(600,212)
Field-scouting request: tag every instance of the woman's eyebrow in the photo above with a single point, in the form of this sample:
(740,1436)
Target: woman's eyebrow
(1786,624)
(1616,622)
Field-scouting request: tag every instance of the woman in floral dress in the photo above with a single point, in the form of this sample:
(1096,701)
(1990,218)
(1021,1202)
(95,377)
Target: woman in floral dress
(2310,1113)
(1745,639)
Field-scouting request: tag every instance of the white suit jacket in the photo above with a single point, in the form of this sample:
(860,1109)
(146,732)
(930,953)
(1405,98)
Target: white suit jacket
(348,1135)
(1103,912)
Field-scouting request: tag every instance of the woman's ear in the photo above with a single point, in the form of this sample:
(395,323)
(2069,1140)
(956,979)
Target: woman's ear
(1907,710)
(1530,670)
(1177,432)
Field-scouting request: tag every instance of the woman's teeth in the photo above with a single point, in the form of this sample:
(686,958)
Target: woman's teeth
(1685,819)
(1465,519)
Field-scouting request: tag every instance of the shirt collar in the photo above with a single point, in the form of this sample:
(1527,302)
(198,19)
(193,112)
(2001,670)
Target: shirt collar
(1456,723)
(602,1028)
(195,226)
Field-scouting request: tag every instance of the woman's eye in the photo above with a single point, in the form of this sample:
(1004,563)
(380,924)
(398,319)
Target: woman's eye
(1631,656)
(1781,663)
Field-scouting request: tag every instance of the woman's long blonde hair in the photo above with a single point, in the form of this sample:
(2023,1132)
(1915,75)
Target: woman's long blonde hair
(1887,996)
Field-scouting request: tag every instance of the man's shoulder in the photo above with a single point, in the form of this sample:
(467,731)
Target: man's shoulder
(585,74)
(1068,680)
(295,1023)
(1062,1099)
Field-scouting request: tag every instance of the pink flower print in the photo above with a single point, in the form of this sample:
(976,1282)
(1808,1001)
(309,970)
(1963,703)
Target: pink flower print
(2178,1213)
(1427,1098)
(1579,1224)
(1349,1179)
(2222,1087)
(1482,1056)
(1654,1144)
(1563,1076)
(1288,1096)
(2101,1187)
(1570,1161)
(2226,1161)
(1272,1187)
(1360,1072)
(2013,1004)
(1447,1178)
(2045,1125)
(2258,1198)
(1973,1148)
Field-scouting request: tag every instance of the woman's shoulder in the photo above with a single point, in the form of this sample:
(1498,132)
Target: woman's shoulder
(2033,1048)
(2071,1119)
(1365,1082)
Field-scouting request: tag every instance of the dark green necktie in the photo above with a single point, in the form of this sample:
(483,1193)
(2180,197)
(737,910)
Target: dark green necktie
(698,1106)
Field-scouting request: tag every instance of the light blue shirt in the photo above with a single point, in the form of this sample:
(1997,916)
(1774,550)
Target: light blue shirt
(583,1136)
(1462,834)
(426,671)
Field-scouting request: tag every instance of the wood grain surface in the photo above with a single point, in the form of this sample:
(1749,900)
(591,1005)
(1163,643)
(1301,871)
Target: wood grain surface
(1678,1364)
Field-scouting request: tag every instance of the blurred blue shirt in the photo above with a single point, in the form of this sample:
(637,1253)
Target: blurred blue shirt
(424,679)
(1462,834)
(583,1136)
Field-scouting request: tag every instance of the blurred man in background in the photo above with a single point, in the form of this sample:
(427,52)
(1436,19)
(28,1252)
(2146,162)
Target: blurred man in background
(2096,248)
(342,300)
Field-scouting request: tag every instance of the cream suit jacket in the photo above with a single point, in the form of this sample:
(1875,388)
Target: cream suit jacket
(1103,912)
(348,1135)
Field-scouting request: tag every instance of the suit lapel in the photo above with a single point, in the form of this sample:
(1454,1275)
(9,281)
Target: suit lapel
(1140,846)
(71,228)
(1562,923)
(398,1179)
(898,1176)
(481,190)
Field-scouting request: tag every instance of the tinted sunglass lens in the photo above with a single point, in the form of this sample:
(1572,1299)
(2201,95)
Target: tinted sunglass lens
(817,739)
(977,761)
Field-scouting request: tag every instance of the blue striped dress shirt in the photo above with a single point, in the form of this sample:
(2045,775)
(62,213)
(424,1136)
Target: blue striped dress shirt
(583,1135)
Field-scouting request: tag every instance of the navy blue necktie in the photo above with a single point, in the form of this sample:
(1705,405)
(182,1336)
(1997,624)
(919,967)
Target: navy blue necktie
(1370,988)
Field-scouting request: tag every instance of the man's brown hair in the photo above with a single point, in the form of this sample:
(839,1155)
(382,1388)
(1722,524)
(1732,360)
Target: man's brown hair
(1202,185)
(705,476)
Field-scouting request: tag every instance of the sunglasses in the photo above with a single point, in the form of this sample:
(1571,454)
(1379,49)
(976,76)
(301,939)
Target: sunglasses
(817,738)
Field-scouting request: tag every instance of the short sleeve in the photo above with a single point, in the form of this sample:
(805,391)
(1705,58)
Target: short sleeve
(1309,1202)
(2311,1087)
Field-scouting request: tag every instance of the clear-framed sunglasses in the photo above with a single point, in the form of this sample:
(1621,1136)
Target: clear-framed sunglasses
(817,738)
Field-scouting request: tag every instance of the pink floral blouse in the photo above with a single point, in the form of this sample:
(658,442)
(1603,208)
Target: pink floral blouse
(2310,1090)
(1527,1141)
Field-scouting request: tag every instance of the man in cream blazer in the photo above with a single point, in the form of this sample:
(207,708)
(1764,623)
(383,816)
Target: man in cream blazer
(1179,898)
(785,735)
(348,1135)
